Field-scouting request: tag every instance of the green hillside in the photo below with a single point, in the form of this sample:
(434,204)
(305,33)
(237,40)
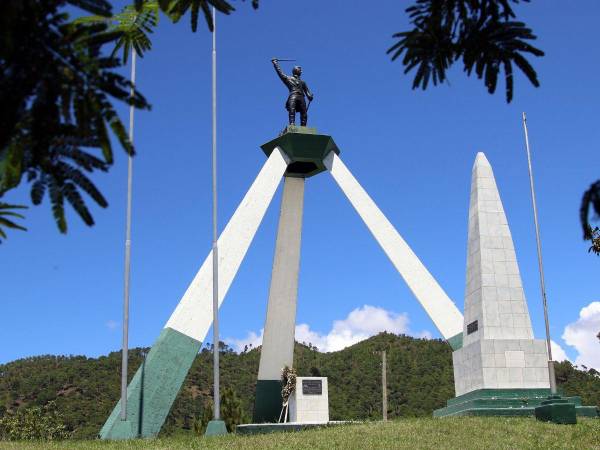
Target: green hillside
(419,381)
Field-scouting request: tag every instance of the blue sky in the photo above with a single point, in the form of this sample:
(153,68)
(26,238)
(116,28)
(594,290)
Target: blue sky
(412,151)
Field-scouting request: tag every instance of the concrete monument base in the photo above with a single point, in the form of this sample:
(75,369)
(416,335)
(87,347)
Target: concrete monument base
(511,402)
(215,428)
(309,402)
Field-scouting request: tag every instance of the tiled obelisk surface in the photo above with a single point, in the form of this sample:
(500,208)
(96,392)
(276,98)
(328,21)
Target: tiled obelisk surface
(154,387)
(500,369)
(278,337)
(498,346)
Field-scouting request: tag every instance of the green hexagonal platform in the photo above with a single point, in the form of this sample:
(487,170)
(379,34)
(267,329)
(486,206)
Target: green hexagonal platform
(305,148)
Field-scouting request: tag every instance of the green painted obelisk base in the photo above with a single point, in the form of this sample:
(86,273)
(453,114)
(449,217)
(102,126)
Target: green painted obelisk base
(268,402)
(153,389)
(215,428)
(558,410)
(514,402)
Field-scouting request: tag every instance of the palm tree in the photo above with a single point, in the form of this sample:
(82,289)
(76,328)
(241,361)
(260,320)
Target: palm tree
(591,201)
(7,210)
(57,109)
(58,105)
(483,33)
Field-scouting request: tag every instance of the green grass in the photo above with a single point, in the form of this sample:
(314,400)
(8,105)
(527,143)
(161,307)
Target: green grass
(450,433)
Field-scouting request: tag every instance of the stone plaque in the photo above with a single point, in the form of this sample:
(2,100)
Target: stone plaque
(312,387)
(472,327)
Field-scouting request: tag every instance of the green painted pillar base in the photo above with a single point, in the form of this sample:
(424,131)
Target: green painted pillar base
(215,428)
(153,389)
(124,428)
(456,342)
(556,410)
(268,402)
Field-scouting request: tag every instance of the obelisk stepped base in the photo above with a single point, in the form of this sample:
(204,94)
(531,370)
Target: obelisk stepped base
(508,402)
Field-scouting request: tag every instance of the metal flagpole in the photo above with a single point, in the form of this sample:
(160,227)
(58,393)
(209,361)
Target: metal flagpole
(125,351)
(384,402)
(215,250)
(541,267)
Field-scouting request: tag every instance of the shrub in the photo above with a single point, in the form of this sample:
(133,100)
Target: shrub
(35,423)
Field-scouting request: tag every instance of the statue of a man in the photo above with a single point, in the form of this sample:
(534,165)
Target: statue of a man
(298,88)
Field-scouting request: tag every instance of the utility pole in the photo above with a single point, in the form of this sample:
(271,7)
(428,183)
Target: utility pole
(384,384)
(540,265)
(125,349)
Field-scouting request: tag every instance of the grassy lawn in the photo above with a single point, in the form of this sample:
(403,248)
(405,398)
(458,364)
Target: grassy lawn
(454,433)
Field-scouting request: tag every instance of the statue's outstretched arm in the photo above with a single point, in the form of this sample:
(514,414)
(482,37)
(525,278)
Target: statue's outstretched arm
(282,75)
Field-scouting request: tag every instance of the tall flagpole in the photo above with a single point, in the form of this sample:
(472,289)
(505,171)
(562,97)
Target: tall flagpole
(541,267)
(125,351)
(215,250)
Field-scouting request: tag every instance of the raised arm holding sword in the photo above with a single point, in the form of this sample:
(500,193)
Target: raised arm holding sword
(298,89)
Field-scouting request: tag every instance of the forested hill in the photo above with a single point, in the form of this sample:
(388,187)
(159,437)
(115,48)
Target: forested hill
(419,381)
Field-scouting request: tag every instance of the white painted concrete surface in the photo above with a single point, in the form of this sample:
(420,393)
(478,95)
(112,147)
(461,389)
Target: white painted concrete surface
(443,312)
(501,353)
(193,315)
(278,339)
(309,408)
(494,293)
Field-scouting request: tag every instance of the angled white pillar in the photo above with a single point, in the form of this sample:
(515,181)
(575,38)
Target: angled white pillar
(498,351)
(443,312)
(278,338)
(193,315)
(156,384)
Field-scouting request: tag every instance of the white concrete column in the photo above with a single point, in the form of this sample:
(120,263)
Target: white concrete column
(155,385)
(443,312)
(193,315)
(278,339)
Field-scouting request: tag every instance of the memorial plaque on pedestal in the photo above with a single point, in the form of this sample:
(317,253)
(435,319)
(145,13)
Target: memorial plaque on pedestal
(312,387)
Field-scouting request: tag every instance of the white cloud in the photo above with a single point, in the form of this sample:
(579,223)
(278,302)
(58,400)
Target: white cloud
(558,354)
(582,334)
(251,340)
(111,324)
(359,325)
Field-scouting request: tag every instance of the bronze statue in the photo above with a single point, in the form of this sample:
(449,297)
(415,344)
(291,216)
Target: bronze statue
(298,88)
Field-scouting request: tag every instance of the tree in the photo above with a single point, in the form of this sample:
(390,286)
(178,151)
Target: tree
(591,201)
(6,210)
(56,92)
(176,9)
(483,33)
(200,423)
(57,87)
(231,409)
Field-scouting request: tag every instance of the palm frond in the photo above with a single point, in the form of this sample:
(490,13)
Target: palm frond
(7,210)
(589,202)
(481,32)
